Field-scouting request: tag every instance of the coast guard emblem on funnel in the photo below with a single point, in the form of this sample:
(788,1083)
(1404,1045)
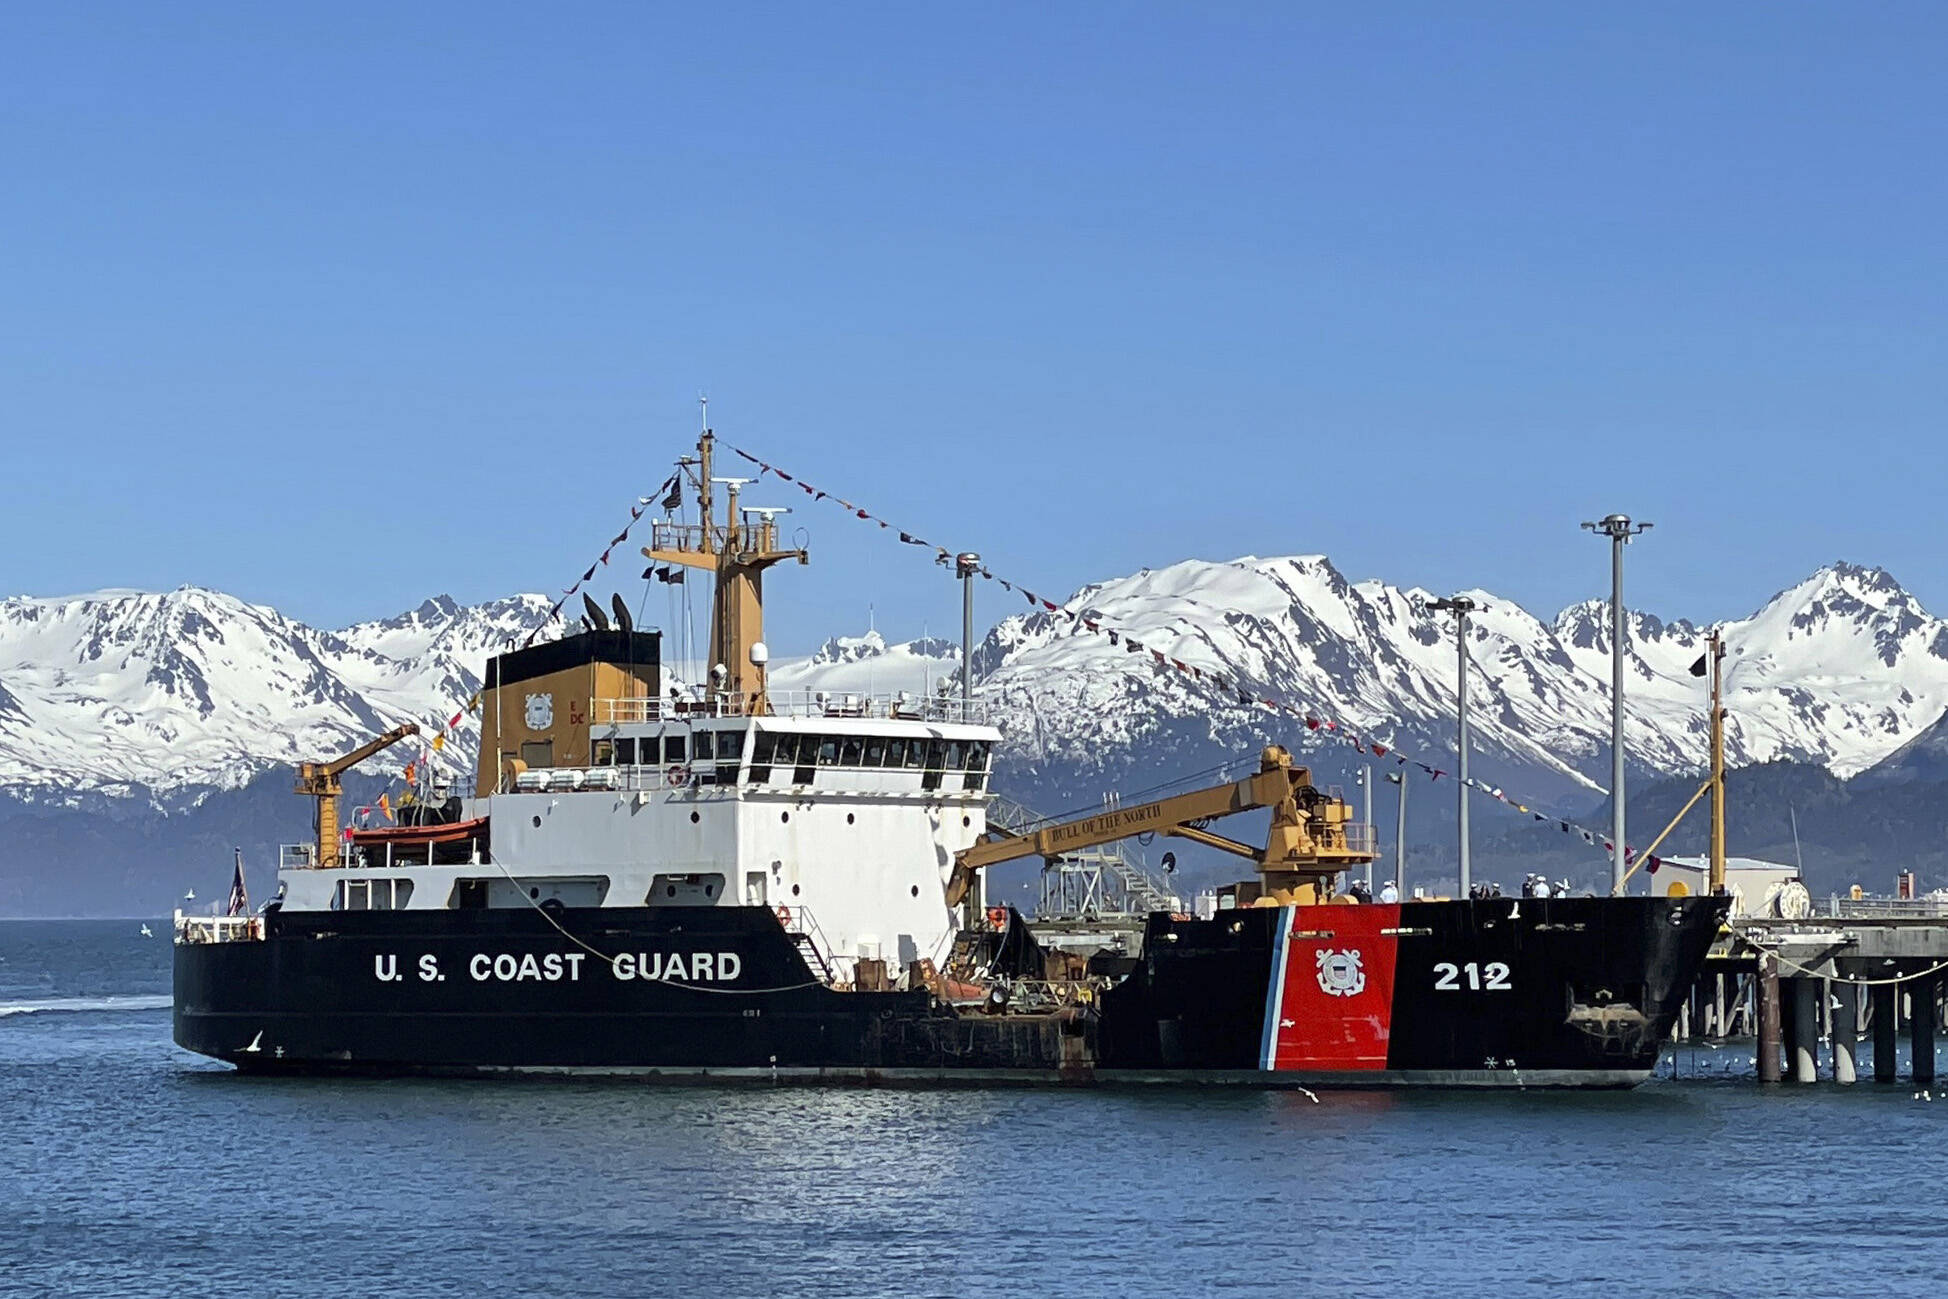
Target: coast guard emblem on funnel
(1340,974)
(540,712)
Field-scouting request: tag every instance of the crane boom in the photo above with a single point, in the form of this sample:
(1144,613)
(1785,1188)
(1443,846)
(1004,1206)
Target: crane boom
(1309,835)
(319,780)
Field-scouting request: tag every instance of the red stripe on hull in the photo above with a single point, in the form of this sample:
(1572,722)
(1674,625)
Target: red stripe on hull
(1335,1010)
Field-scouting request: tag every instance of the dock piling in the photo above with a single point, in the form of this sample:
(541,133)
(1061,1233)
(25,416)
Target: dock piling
(1802,1032)
(1766,991)
(1846,1026)
(1883,1002)
(1920,1028)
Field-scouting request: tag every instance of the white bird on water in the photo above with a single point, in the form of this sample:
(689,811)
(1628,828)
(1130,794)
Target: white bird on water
(146,933)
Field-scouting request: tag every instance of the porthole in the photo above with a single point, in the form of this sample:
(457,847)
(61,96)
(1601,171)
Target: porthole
(784,816)
(537,823)
(848,818)
(694,818)
(672,889)
(708,889)
(916,890)
(966,821)
(534,893)
(794,890)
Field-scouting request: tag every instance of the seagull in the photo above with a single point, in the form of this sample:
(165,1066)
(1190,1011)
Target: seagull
(255,1042)
(146,932)
(190,896)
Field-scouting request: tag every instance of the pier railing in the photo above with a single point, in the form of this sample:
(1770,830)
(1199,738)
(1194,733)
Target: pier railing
(1930,908)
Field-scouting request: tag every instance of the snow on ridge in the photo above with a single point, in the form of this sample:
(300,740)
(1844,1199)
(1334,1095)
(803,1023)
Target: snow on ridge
(1844,667)
(191,689)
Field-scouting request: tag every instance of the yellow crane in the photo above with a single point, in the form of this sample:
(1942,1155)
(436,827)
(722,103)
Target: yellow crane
(319,780)
(1312,835)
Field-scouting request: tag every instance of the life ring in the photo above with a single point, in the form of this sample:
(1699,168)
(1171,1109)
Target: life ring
(784,916)
(676,776)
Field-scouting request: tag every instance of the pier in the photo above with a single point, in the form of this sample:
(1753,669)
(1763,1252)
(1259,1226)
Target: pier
(1868,971)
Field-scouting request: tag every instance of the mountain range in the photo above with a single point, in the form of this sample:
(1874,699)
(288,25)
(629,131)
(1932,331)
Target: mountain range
(137,703)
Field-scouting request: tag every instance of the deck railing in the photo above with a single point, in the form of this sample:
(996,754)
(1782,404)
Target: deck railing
(899,705)
(218,929)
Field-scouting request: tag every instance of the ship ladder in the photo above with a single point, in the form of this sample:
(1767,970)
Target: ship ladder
(813,957)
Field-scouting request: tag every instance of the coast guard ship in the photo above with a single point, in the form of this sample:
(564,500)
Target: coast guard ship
(728,882)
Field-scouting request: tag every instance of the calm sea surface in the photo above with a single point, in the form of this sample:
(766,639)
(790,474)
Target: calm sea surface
(130,1167)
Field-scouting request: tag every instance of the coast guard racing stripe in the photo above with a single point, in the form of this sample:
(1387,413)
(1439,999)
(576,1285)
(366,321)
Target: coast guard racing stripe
(1330,1004)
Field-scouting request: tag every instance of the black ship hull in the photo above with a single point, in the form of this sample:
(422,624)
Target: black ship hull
(1571,992)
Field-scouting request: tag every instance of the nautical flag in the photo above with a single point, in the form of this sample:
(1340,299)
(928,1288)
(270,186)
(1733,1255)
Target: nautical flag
(439,741)
(239,904)
(1698,668)
(385,807)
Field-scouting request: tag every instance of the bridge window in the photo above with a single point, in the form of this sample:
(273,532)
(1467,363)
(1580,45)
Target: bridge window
(850,751)
(763,750)
(626,752)
(730,750)
(935,757)
(372,894)
(706,745)
(604,754)
(673,748)
(875,755)
(828,750)
(977,764)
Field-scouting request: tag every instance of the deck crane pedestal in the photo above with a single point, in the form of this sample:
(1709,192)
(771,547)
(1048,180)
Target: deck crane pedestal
(319,780)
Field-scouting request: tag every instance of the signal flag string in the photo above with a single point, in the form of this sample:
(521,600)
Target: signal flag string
(1329,727)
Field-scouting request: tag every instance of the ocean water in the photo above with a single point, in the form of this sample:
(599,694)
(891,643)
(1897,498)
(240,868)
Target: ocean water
(130,1167)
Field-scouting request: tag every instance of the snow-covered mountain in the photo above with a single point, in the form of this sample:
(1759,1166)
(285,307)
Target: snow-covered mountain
(127,692)
(124,692)
(1841,670)
(868,665)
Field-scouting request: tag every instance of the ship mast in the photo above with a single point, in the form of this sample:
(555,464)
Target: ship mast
(1716,648)
(736,555)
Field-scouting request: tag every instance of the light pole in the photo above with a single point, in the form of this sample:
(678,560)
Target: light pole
(967,564)
(1366,787)
(1461,606)
(1619,529)
(1400,837)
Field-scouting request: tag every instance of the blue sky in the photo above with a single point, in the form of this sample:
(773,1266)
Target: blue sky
(337,307)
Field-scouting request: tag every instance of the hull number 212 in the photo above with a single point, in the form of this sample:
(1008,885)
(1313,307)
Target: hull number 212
(1492,977)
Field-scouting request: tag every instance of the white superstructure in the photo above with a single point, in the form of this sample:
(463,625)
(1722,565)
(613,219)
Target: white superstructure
(844,814)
